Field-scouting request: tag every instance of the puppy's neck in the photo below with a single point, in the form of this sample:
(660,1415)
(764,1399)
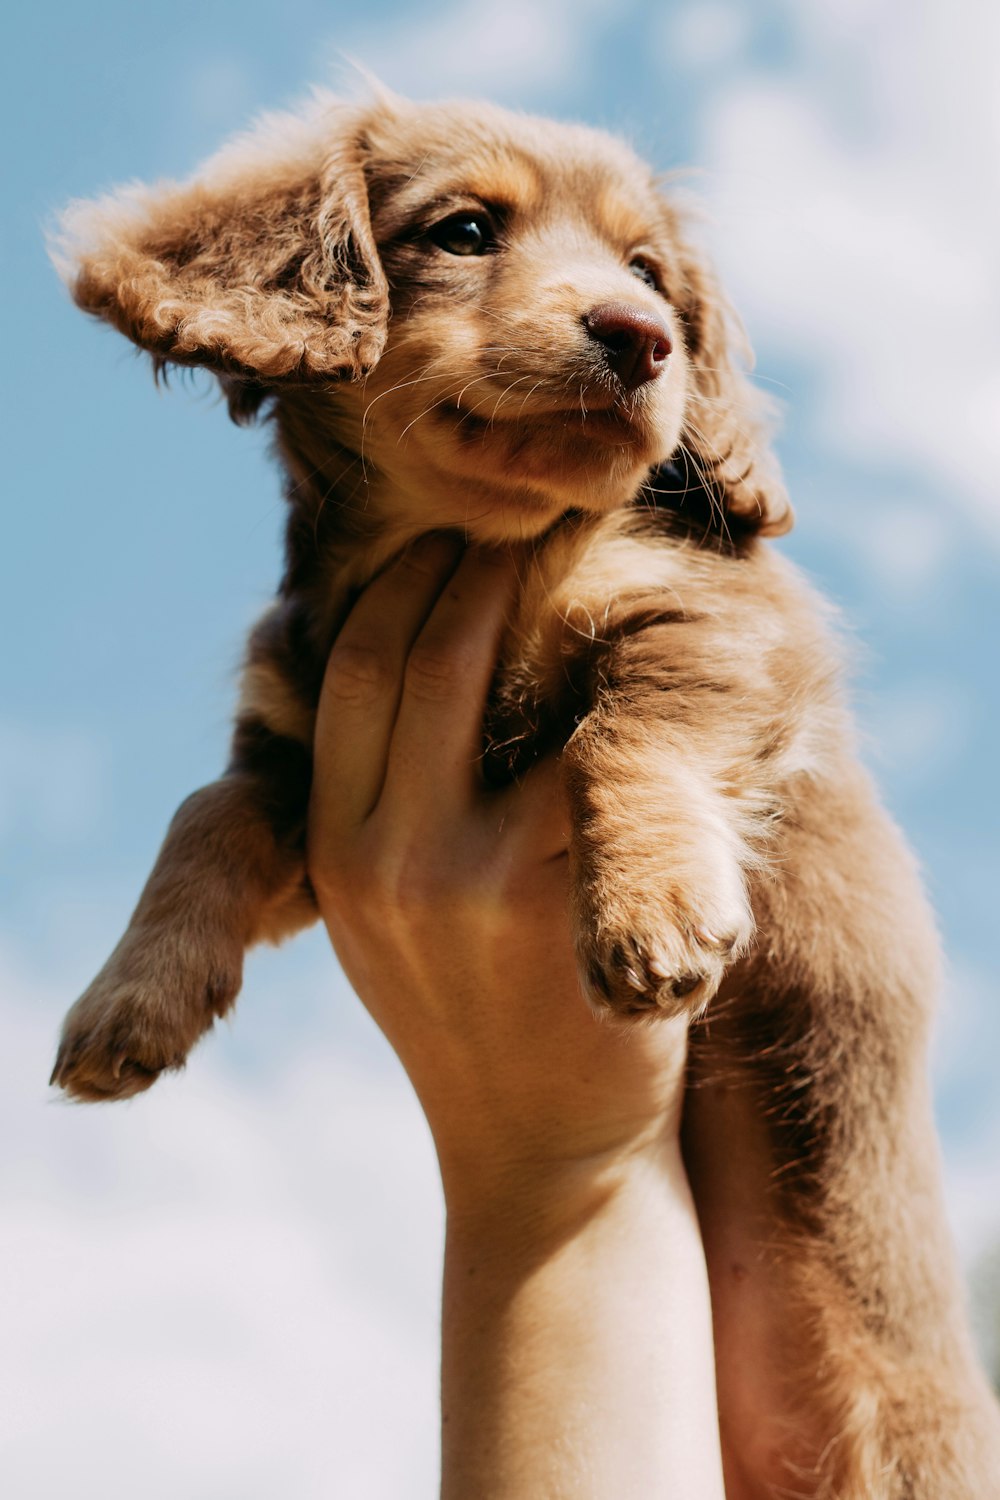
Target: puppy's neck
(340,493)
(363,507)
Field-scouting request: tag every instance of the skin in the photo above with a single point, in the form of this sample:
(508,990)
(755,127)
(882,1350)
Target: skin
(576,1331)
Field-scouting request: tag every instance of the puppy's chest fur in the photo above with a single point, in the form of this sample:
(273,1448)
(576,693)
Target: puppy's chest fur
(585,589)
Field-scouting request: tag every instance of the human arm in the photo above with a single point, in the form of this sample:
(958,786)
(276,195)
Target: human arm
(576,1338)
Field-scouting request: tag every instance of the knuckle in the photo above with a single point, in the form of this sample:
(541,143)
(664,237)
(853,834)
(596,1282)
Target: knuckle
(413,878)
(434,673)
(427,557)
(417,888)
(495,559)
(357,673)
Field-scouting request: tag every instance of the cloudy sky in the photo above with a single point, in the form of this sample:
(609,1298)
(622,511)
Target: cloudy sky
(227,1289)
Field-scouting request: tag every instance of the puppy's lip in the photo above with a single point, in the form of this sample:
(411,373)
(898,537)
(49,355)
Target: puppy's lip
(605,418)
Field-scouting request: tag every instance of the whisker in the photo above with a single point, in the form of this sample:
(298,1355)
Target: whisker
(441,401)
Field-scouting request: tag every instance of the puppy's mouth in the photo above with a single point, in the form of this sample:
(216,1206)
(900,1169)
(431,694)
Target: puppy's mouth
(610,423)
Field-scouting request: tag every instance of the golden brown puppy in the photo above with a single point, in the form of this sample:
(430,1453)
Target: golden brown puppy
(460,318)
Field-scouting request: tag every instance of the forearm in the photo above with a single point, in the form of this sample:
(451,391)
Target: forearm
(576,1356)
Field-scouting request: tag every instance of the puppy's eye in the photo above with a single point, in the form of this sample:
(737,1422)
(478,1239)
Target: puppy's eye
(640,266)
(464,234)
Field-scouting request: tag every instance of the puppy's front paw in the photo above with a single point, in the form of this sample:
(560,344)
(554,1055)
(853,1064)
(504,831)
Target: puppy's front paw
(142,1015)
(644,957)
(667,972)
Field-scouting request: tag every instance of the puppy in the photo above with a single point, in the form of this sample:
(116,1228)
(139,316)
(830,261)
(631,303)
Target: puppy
(457,318)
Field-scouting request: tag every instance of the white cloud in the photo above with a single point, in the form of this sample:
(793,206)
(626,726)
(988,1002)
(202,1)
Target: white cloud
(986,1307)
(971,1193)
(467,48)
(705,35)
(858,228)
(967,1037)
(228,1288)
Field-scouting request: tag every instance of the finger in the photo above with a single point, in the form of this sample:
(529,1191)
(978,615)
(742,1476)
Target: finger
(437,745)
(363,683)
(532,817)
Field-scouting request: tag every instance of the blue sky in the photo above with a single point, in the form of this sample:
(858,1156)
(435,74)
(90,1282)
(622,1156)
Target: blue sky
(247,1257)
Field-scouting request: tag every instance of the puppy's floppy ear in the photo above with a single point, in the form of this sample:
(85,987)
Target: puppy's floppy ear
(726,432)
(262,268)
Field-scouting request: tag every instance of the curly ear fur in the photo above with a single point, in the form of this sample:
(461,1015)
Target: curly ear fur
(726,433)
(263,269)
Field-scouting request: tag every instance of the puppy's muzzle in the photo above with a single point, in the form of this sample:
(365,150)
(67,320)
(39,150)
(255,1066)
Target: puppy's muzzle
(636,344)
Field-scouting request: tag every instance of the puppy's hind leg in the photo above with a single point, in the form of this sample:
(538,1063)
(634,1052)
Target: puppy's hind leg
(231,871)
(844,1366)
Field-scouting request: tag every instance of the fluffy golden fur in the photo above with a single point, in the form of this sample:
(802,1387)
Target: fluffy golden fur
(460,318)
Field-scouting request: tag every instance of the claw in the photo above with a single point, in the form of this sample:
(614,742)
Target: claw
(685,984)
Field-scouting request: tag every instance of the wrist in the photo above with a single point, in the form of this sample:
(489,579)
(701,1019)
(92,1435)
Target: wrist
(513,1207)
(564,1126)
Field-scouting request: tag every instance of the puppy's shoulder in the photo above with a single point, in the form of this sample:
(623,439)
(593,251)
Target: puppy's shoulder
(662,544)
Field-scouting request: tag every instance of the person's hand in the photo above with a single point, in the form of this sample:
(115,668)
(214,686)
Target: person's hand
(576,1333)
(447,901)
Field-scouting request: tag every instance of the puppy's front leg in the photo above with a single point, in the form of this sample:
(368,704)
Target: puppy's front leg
(659,864)
(672,784)
(231,871)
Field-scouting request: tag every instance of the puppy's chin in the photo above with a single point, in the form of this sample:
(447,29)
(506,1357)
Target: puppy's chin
(510,480)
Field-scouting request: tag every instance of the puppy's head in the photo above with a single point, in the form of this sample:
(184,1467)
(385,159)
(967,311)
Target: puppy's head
(499,314)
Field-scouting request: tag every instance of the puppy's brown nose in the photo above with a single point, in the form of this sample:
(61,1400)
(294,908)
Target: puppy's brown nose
(636,343)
